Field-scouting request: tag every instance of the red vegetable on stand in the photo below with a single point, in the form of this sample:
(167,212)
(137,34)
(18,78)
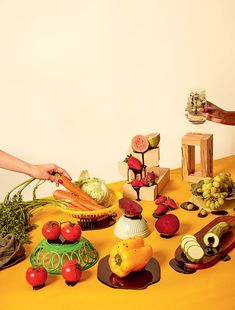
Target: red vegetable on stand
(71,232)
(51,230)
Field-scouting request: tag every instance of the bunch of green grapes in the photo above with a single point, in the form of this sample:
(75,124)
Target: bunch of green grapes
(215,189)
(226,182)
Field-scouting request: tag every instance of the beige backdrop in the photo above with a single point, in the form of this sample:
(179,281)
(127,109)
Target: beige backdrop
(79,78)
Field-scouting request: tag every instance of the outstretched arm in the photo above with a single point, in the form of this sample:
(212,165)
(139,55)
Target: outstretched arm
(218,115)
(42,172)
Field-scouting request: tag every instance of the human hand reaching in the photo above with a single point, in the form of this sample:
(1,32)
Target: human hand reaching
(47,172)
(41,172)
(218,115)
(213,112)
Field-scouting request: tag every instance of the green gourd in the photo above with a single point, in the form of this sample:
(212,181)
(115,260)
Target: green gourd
(212,238)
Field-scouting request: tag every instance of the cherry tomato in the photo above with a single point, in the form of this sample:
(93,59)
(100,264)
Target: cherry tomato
(71,271)
(71,232)
(36,275)
(51,230)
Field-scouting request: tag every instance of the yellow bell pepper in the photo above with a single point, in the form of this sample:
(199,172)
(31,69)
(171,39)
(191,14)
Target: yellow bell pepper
(129,255)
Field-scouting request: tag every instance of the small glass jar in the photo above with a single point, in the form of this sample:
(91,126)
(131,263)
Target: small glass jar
(196,100)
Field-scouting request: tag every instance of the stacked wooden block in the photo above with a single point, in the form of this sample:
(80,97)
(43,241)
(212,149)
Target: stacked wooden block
(150,160)
(205,142)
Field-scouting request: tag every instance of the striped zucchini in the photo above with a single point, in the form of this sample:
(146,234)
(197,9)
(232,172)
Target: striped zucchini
(212,238)
(191,248)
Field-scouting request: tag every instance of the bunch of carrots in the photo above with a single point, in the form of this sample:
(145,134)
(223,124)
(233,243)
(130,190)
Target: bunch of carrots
(76,197)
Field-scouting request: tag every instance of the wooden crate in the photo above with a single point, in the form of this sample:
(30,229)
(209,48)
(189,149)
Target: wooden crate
(189,142)
(151,157)
(148,193)
(125,172)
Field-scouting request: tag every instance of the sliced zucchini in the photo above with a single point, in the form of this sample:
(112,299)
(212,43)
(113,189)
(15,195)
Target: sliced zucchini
(195,253)
(187,236)
(189,244)
(185,240)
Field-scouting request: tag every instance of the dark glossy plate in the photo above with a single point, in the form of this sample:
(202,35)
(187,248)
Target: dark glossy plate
(135,280)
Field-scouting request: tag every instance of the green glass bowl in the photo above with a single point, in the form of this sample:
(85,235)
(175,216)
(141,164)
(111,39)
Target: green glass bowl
(52,255)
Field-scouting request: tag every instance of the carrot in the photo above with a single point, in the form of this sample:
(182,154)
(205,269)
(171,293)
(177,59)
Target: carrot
(81,203)
(76,189)
(88,205)
(75,207)
(63,195)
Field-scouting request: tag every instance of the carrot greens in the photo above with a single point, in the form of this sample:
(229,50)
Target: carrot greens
(16,213)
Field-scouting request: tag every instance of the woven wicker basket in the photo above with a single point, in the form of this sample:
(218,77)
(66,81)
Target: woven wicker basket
(97,215)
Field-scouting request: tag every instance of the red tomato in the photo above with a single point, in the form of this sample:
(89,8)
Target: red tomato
(71,232)
(51,230)
(36,275)
(71,271)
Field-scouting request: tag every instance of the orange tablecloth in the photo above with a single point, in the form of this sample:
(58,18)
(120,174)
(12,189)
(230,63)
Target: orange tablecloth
(213,287)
